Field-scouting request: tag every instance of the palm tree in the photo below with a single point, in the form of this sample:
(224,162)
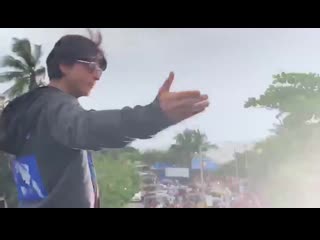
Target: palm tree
(193,141)
(188,143)
(23,67)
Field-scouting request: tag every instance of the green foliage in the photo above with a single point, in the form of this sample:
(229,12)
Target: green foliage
(24,67)
(153,156)
(118,180)
(127,153)
(182,151)
(284,167)
(7,186)
(187,144)
(193,141)
(297,94)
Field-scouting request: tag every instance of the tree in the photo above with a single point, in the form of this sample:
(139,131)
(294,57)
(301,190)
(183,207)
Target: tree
(118,180)
(128,153)
(187,144)
(23,67)
(193,141)
(295,96)
(284,167)
(155,156)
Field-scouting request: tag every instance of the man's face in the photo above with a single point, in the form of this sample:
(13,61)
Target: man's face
(81,77)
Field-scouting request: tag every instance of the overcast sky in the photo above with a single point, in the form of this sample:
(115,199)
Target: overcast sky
(229,65)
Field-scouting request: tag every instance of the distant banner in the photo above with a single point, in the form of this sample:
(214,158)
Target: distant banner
(177,172)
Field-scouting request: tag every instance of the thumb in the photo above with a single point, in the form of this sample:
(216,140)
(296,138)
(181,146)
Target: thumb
(167,84)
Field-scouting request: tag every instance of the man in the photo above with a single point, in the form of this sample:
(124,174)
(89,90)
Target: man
(52,136)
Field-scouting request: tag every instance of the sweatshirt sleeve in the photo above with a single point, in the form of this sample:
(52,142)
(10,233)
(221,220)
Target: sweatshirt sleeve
(72,126)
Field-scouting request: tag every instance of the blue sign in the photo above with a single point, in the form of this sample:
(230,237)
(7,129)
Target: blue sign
(161,166)
(28,180)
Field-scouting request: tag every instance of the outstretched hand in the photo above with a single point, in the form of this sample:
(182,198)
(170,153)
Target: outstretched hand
(179,106)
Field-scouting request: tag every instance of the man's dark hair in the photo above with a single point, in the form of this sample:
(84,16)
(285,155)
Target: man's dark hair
(71,48)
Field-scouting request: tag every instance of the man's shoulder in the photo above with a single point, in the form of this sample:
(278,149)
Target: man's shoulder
(55,92)
(54,96)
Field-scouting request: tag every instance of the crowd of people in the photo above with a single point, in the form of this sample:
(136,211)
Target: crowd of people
(213,193)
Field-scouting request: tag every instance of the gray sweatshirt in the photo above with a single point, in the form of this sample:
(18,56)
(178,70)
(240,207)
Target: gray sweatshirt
(53,137)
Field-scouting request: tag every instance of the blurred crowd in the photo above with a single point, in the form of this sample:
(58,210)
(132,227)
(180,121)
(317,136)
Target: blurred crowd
(213,193)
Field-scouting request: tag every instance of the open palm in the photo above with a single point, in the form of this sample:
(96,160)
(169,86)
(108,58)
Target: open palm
(179,106)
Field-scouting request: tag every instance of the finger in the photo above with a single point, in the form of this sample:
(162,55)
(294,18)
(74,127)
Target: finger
(167,84)
(162,89)
(200,105)
(186,95)
(199,110)
(188,103)
(204,97)
(185,105)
